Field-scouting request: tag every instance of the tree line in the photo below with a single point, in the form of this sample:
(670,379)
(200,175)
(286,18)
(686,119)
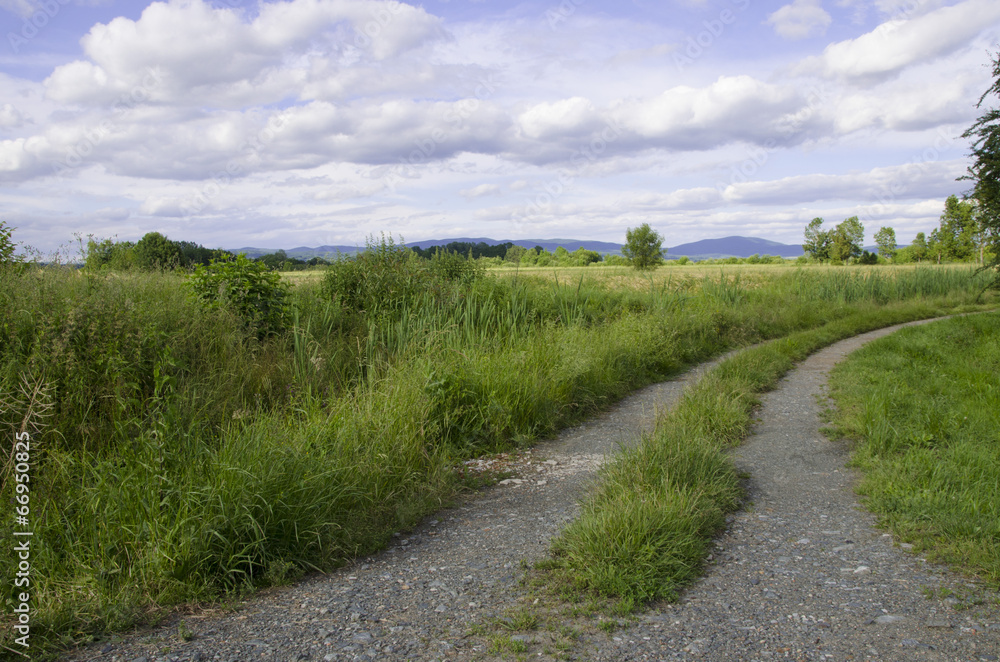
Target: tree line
(962,236)
(154,251)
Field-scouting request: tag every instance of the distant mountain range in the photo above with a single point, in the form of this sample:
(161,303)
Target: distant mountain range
(734,247)
(698,250)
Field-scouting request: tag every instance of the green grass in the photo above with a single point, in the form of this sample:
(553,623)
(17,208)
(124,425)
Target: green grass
(923,409)
(644,533)
(187,459)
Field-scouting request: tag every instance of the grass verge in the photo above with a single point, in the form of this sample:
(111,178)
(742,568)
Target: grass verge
(645,531)
(922,407)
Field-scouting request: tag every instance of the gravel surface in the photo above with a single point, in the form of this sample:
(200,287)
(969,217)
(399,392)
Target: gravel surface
(800,574)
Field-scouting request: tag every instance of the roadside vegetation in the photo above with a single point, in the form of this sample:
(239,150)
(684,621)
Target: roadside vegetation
(645,532)
(922,408)
(196,436)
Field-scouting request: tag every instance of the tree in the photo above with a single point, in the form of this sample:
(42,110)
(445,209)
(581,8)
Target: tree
(155,251)
(817,243)
(985,172)
(846,239)
(868,258)
(514,254)
(644,247)
(956,236)
(7,245)
(918,249)
(886,240)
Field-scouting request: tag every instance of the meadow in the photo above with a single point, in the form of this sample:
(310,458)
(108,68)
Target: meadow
(182,453)
(922,411)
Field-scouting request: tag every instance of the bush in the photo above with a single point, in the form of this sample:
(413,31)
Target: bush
(249,289)
(387,278)
(7,245)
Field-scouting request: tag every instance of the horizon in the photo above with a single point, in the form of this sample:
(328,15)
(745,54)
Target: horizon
(310,122)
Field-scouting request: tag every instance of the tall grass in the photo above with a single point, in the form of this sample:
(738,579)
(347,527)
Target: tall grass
(186,458)
(923,407)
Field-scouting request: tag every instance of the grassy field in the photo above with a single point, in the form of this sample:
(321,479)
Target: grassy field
(179,454)
(922,407)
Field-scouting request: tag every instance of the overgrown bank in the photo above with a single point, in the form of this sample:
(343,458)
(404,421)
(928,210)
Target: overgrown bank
(187,455)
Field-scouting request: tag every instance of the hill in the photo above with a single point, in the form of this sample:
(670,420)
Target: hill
(705,249)
(733,247)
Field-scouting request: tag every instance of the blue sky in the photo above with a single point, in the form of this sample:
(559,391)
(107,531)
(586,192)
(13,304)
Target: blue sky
(311,122)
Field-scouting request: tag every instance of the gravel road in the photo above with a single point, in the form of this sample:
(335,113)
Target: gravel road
(800,574)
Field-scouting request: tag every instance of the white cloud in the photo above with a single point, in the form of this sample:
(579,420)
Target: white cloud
(901,43)
(11,117)
(168,207)
(801,19)
(733,108)
(480,191)
(566,117)
(205,54)
(918,179)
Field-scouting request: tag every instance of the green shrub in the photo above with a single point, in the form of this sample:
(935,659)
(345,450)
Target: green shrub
(249,289)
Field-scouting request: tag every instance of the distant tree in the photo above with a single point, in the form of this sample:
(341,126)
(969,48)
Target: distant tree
(868,258)
(915,252)
(155,251)
(886,240)
(984,173)
(581,257)
(644,247)
(918,249)
(193,254)
(8,247)
(846,239)
(817,243)
(514,254)
(958,230)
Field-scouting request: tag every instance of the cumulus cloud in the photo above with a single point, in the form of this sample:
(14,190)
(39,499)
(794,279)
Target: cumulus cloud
(900,43)
(733,108)
(205,53)
(566,117)
(801,19)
